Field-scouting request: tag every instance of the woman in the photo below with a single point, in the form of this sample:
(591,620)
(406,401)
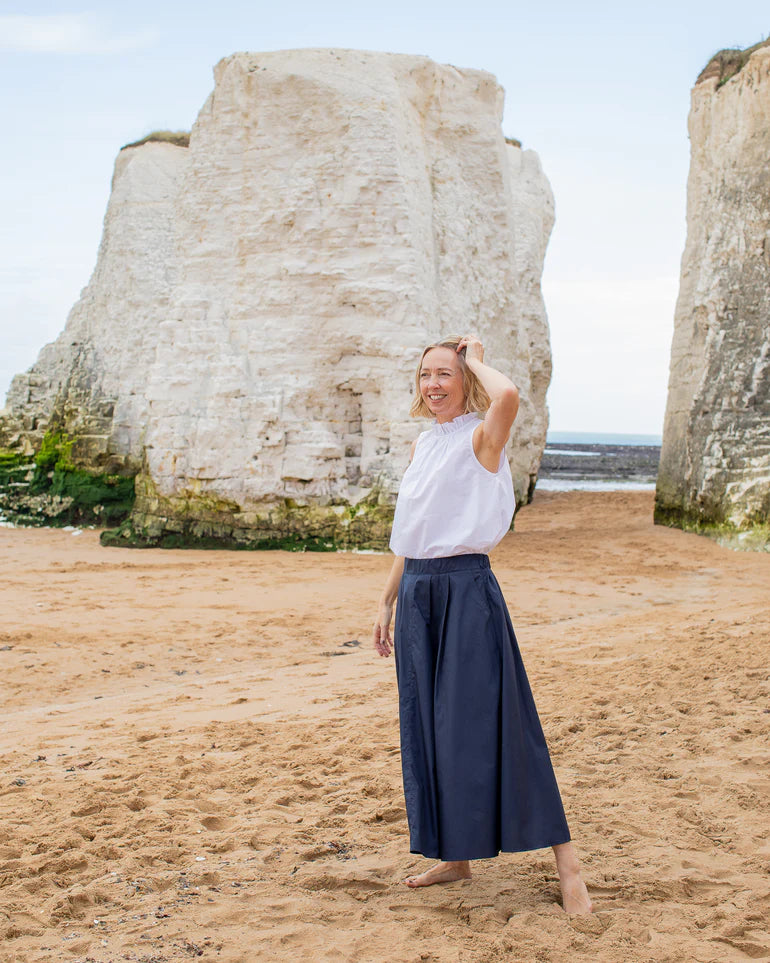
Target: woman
(478,778)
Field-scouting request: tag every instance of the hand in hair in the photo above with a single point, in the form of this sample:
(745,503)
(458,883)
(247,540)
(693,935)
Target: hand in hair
(474,349)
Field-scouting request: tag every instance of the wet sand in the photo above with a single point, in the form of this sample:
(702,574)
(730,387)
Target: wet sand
(198,761)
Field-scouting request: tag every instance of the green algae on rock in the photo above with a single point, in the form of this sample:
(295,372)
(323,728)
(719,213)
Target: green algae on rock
(752,536)
(49,489)
(199,519)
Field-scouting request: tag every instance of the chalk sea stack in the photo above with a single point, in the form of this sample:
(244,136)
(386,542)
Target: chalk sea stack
(244,350)
(714,474)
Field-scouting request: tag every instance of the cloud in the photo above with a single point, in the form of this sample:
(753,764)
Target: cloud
(71,33)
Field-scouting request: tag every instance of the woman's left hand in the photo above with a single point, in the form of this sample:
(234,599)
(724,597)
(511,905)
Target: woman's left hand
(474,349)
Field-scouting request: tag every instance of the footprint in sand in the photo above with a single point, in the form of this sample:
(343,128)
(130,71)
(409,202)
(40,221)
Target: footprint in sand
(216,823)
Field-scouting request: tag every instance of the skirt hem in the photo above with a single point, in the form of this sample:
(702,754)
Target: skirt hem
(523,849)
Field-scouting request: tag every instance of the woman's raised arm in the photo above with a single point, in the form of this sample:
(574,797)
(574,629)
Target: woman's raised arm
(504,395)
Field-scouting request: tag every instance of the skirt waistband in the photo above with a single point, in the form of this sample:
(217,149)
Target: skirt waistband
(450,563)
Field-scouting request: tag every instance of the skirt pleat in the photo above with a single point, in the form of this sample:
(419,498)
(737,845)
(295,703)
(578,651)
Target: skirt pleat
(478,778)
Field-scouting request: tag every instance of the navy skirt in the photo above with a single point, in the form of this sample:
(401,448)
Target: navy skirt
(478,777)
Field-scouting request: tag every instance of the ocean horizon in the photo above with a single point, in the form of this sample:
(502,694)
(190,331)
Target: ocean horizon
(601,438)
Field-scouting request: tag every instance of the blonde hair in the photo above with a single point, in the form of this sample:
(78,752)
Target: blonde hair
(476,398)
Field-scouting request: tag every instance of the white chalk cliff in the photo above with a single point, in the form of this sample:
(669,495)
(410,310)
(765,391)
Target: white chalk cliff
(715,461)
(248,339)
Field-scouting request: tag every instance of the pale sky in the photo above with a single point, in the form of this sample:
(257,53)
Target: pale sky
(599,90)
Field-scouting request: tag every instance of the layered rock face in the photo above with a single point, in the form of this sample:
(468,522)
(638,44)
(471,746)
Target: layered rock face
(249,337)
(715,461)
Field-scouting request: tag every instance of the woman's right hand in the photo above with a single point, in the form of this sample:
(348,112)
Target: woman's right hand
(381,636)
(383,641)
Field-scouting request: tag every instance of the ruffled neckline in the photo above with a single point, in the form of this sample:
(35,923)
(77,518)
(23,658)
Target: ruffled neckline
(456,424)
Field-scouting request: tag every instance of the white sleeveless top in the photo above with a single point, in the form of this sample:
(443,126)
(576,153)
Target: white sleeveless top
(448,503)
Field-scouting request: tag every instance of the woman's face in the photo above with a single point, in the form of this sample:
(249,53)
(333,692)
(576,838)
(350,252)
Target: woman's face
(441,383)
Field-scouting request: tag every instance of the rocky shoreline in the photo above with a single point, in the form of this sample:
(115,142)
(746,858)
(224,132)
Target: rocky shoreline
(598,463)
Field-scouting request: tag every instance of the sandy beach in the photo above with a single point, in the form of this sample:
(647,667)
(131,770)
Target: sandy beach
(200,752)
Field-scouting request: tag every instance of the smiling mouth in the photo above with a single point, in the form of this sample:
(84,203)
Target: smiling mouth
(437,397)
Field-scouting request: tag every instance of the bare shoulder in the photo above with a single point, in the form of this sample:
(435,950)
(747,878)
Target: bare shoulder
(414,448)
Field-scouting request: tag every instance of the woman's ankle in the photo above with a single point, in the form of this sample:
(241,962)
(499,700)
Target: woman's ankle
(567,863)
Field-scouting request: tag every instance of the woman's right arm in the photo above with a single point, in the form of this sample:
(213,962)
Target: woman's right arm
(383,641)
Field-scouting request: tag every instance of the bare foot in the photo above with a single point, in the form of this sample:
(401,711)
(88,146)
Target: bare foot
(574,896)
(441,873)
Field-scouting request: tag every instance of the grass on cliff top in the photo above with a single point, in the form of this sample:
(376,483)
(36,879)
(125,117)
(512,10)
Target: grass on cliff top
(725,64)
(179,138)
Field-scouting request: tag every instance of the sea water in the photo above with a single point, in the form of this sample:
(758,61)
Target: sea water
(593,485)
(602,461)
(601,438)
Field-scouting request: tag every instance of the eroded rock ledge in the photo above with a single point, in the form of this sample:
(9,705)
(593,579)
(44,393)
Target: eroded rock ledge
(245,347)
